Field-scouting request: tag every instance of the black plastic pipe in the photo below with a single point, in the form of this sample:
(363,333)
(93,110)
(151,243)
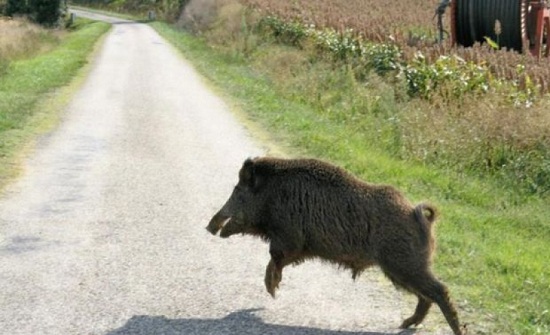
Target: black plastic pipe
(476,19)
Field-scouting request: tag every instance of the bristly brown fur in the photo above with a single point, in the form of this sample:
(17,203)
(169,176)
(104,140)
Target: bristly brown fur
(307,208)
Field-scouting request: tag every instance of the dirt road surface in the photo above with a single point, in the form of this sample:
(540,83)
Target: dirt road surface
(105,231)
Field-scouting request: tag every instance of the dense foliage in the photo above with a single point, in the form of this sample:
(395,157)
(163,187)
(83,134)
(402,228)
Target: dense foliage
(44,12)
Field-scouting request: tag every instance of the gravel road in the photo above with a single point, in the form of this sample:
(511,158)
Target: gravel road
(105,231)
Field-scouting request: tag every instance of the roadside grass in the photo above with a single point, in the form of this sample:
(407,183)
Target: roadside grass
(21,39)
(492,241)
(29,84)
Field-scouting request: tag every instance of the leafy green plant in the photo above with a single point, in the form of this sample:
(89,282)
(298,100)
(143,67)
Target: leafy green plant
(525,91)
(493,44)
(382,57)
(449,73)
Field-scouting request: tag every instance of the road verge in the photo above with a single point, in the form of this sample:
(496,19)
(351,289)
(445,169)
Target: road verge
(34,92)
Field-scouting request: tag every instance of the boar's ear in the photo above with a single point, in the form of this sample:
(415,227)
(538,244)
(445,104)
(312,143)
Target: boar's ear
(249,176)
(247,171)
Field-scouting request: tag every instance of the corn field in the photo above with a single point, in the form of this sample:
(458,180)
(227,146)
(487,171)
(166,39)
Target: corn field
(411,26)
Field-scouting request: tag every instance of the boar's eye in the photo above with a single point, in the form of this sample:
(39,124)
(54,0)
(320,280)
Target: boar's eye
(240,195)
(240,190)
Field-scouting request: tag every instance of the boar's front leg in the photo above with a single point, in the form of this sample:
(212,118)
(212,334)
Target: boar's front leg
(274,270)
(273,276)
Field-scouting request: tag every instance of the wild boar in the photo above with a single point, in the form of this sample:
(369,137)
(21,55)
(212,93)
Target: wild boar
(306,208)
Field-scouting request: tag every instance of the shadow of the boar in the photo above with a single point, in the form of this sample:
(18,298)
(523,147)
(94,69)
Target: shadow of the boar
(243,322)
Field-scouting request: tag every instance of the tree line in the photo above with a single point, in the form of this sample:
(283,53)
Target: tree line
(49,12)
(44,12)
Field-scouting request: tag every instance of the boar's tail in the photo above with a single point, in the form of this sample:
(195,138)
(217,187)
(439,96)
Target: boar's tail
(426,215)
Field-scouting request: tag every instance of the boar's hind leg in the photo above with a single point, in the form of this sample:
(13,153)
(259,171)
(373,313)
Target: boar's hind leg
(432,289)
(420,313)
(428,289)
(274,270)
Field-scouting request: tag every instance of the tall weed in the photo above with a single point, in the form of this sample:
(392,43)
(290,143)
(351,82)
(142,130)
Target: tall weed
(21,39)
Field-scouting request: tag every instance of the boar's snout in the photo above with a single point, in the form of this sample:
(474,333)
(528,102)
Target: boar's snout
(216,223)
(229,225)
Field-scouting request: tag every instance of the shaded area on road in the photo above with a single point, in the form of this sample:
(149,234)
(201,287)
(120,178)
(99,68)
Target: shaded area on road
(243,322)
(20,244)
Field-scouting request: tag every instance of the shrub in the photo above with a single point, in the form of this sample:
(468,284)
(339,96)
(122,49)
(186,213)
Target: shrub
(44,12)
(16,7)
(449,76)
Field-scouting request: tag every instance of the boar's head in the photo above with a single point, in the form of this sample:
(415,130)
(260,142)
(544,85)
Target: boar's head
(241,212)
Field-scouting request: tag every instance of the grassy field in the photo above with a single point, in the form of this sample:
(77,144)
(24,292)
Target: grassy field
(37,62)
(493,241)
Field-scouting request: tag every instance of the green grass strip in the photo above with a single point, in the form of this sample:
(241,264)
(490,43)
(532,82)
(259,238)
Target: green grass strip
(28,84)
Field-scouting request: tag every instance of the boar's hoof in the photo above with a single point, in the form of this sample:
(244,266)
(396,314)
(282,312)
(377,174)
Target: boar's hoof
(272,278)
(407,323)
